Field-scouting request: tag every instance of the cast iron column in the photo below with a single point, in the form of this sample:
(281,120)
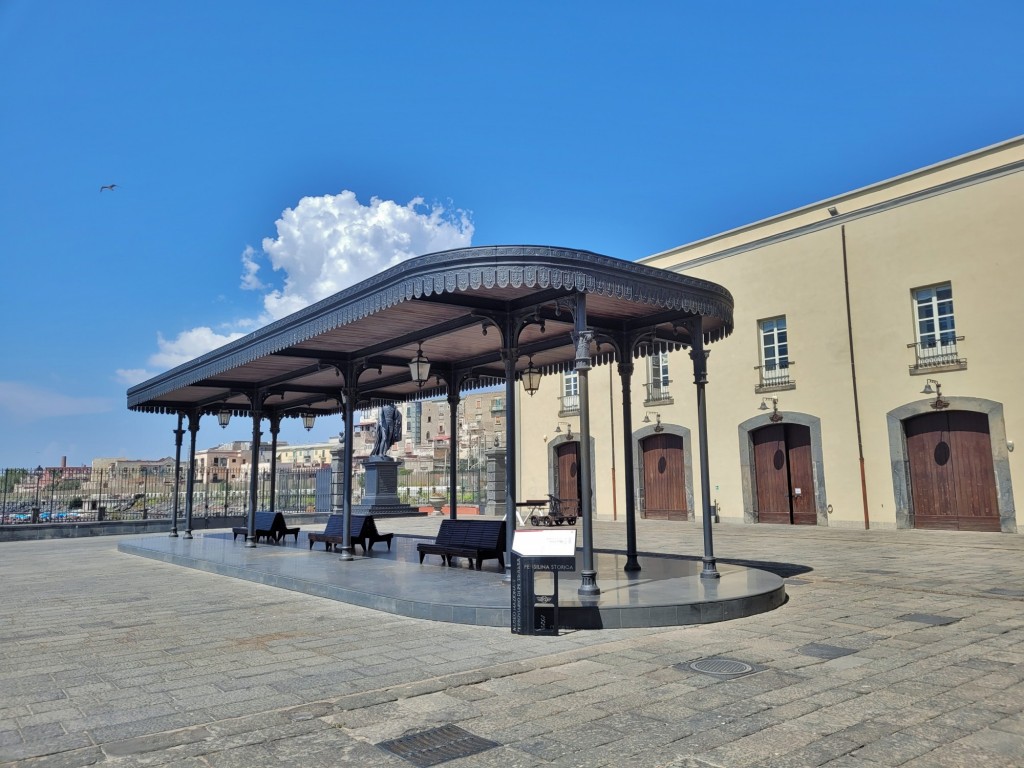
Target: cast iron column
(275,427)
(626,376)
(190,481)
(509,356)
(582,335)
(349,395)
(179,433)
(700,377)
(453,447)
(254,465)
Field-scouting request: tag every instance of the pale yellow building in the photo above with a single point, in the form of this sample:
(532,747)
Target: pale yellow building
(818,408)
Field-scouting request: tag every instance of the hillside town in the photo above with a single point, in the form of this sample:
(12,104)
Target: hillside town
(139,488)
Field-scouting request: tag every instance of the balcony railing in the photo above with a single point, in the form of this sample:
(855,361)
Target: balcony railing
(774,377)
(937,355)
(569,405)
(657,393)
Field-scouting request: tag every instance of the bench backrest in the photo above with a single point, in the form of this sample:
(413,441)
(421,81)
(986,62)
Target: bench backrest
(268,521)
(481,534)
(335,526)
(358,527)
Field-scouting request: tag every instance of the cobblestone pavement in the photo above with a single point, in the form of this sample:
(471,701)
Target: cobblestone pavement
(894,649)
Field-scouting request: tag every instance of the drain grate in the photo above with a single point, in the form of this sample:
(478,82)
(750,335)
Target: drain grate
(822,651)
(717,666)
(929,618)
(438,745)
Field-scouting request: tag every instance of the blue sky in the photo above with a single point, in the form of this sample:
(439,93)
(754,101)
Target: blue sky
(269,153)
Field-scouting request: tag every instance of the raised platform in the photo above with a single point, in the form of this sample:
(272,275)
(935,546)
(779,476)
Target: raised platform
(667,592)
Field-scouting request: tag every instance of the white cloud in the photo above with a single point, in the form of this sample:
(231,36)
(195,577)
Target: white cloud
(328,243)
(188,345)
(133,376)
(28,403)
(249,269)
(323,245)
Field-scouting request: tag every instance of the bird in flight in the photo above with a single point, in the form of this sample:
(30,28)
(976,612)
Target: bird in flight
(108,186)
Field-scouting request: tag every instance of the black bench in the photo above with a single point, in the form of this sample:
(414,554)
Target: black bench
(477,540)
(362,531)
(270,526)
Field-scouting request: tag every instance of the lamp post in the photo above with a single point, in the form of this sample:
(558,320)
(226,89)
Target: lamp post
(145,493)
(53,488)
(38,472)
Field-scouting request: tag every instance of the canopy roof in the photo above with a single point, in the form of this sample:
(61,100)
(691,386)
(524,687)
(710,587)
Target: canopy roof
(460,305)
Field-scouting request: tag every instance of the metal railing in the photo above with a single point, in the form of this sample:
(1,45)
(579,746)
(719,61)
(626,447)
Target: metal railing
(938,353)
(82,494)
(773,377)
(657,392)
(569,405)
(420,488)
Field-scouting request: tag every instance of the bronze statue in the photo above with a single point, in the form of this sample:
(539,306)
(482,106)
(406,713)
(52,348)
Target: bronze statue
(389,430)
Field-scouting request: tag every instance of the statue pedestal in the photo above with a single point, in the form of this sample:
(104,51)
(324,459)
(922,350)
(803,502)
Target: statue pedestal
(494,503)
(380,498)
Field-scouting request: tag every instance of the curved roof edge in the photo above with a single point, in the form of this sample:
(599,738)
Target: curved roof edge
(456,271)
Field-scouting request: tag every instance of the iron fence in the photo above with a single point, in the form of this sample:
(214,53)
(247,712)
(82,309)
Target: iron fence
(83,494)
(421,487)
(77,494)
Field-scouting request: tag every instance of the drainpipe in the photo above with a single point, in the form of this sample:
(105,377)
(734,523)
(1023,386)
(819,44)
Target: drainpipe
(611,442)
(853,376)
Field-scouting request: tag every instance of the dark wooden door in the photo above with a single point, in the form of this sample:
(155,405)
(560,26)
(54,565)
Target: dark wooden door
(771,474)
(784,475)
(952,477)
(567,456)
(801,475)
(664,483)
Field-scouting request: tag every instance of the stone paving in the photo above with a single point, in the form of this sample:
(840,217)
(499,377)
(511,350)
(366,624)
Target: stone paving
(895,649)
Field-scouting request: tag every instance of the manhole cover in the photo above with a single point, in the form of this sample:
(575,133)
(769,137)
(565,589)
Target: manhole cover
(721,667)
(438,745)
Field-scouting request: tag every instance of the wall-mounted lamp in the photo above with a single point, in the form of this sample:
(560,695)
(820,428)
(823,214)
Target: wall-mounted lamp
(938,404)
(531,378)
(223,417)
(657,421)
(833,211)
(568,429)
(308,419)
(775,417)
(419,367)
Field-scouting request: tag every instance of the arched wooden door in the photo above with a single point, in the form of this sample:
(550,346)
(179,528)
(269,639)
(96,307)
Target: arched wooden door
(784,475)
(567,458)
(662,481)
(952,477)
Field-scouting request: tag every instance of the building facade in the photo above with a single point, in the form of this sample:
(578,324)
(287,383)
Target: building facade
(865,384)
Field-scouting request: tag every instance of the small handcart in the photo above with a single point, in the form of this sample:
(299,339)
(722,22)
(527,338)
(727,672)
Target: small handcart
(558,511)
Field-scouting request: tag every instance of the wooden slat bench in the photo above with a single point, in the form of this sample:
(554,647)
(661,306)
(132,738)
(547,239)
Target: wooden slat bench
(363,531)
(477,540)
(270,526)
